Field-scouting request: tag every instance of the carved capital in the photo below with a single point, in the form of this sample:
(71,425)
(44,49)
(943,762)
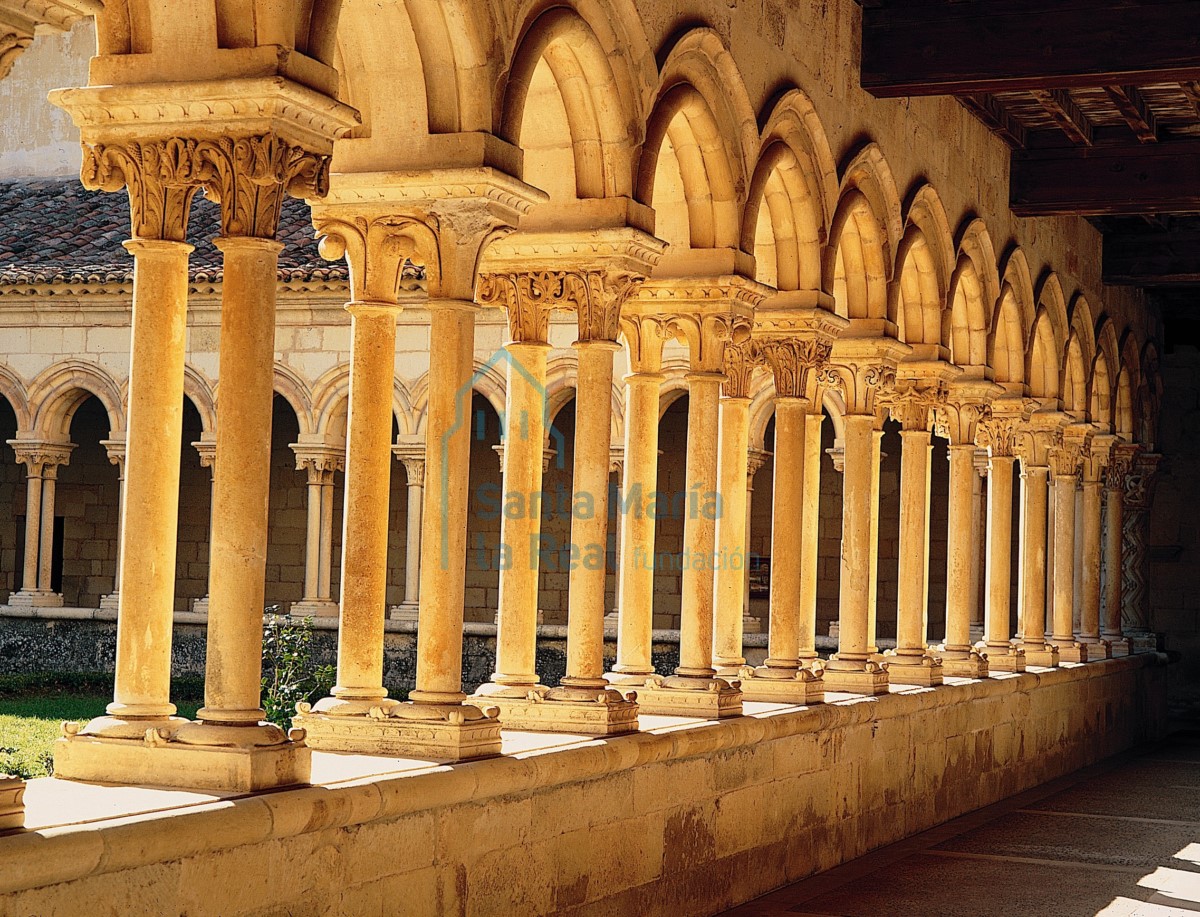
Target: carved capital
(1139,483)
(598,298)
(913,404)
(319,461)
(115,449)
(957,420)
(528,297)
(1067,453)
(755,459)
(41,458)
(616,460)
(706,334)
(161,177)
(644,336)
(1097,457)
(207,450)
(1120,465)
(380,251)
(248,177)
(795,364)
(741,364)
(861,383)
(998,433)
(19,19)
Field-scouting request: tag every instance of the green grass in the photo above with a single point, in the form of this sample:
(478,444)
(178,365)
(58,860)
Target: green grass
(33,708)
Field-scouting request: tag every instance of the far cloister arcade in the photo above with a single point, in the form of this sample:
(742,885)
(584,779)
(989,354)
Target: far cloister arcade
(694,293)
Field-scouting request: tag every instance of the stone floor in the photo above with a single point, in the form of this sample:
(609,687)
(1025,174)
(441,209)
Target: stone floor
(1121,838)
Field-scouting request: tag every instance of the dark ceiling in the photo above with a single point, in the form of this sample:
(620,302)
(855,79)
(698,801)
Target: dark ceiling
(1099,101)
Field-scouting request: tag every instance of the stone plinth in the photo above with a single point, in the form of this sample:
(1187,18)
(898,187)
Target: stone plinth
(971,664)
(805,687)
(871,679)
(12,802)
(1004,659)
(925,670)
(406,731)
(710,699)
(606,712)
(1045,654)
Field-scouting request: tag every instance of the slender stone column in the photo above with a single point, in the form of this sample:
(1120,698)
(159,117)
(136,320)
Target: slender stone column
(1034,440)
(794,363)
(957,419)
(1139,497)
(644,337)
(320,462)
(996,434)
(1119,468)
(810,532)
(206,449)
(1095,461)
(864,369)
(755,459)
(729,599)
(1065,457)
(41,460)
(412,455)
(979,539)
(115,448)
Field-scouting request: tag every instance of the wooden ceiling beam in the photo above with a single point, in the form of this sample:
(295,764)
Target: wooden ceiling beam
(1152,258)
(1065,113)
(961,47)
(1131,178)
(996,119)
(1137,114)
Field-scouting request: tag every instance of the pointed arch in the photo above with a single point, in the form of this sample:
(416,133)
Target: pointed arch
(294,390)
(1148,397)
(56,394)
(1012,322)
(199,390)
(973,295)
(13,390)
(1079,358)
(331,403)
(924,260)
(1128,381)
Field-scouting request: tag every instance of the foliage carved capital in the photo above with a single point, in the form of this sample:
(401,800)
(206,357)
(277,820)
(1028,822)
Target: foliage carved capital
(795,364)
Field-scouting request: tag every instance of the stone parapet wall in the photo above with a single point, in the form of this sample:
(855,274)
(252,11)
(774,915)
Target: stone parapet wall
(690,819)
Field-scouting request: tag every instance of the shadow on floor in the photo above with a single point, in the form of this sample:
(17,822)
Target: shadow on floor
(1118,839)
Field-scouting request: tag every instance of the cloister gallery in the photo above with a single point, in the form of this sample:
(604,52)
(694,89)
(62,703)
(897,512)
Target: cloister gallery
(700,470)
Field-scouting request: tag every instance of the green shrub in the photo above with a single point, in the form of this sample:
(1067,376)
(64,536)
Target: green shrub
(289,674)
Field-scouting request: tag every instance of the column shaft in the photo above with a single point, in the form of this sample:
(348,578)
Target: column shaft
(33,525)
(312,539)
(699,526)
(525,430)
(366,501)
(1089,600)
(857,524)
(589,536)
(46,532)
(1032,585)
(1064,559)
(242,482)
(787,522)
(444,513)
(960,550)
(911,611)
(412,550)
(810,536)
(873,574)
(635,579)
(732,528)
(999,556)
(1114,523)
(153,443)
(325,561)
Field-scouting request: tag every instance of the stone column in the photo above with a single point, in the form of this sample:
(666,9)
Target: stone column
(160,200)
(207,450)
(957,419)
(1095,461)
(979,539)
(413,457)
(1065,457)
(997,434)
(708,323)
(644,337)
(41,459)
(919,391)
(864,368)
(1119,468)
(755,459)
(795,362)
(731,583)
(1034,440)
(115,449)
(810,534)
(320,462)
(1139,497)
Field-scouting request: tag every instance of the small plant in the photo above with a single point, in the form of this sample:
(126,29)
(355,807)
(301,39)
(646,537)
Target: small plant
(289,673)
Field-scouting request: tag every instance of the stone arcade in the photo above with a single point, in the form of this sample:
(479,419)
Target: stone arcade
(670,216)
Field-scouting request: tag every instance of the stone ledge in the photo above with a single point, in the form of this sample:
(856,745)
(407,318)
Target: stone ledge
(62,854)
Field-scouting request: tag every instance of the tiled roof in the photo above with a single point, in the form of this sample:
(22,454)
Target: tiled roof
(58,233)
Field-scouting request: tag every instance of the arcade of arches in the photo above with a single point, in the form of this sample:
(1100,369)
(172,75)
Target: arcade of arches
(641,331)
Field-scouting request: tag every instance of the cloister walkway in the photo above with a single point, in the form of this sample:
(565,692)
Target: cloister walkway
(1119,839)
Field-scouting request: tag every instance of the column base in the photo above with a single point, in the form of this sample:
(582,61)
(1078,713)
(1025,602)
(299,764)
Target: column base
(611,620)
(439,732)
(110,602)
(751,625)
(850,677)
(405,611)
(200,606)
(585,711)
(1120,646)
(801,686)
(35,599)
(976,632)
(924,670)
(12,803)
(1097,650)
(314,610)
(962,663)
(680,695)
(629,682)
(1043,654)
(1005,658)
(159,759)
(1142,643)
(1072,652)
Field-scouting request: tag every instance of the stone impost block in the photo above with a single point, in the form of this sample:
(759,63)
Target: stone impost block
(440,736)
(1098,649)
(1075,652)
(1143,643)
(805,688)
(700,698)
(608,713)
(1120,647)
(136,762)
(925,670)
(12,803)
